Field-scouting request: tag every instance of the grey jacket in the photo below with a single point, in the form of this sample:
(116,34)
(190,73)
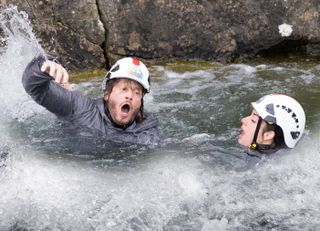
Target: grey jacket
(83,110)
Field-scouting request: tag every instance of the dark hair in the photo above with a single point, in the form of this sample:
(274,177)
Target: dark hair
(278,137)
(109,86)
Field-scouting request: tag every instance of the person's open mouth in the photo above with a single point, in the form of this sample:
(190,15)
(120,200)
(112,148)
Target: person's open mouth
(125,108)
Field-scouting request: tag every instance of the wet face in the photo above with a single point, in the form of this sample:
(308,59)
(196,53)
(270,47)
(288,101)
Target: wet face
(248,128)
(124,101)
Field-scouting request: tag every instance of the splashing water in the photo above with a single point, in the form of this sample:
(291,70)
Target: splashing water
(54,178)
(20,46)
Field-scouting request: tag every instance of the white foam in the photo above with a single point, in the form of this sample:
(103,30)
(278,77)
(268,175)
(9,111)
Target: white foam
(21,47)
(110,198)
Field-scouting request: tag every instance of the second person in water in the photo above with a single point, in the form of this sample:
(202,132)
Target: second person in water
(276,121)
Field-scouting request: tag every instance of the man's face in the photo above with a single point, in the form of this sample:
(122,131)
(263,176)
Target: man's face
(124,102)
(248,128)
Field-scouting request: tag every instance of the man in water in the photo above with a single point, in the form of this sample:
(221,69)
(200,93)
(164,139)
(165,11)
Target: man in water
(276,121)
(118,115)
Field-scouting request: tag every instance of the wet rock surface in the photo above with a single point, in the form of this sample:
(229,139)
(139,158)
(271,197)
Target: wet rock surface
(70,30)
(88,34)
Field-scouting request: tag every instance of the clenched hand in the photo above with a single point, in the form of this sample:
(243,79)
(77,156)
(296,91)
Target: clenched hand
(58,72)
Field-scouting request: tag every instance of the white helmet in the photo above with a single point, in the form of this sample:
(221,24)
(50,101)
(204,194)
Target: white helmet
(129,68)
(284,111)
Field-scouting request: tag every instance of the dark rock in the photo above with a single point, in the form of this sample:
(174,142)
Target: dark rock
(71,30)
(313,49)
(84,32)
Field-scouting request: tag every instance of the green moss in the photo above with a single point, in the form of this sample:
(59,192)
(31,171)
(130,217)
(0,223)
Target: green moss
(84,76)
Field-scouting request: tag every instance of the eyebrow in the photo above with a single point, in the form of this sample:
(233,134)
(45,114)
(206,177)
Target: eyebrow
(131,83)
(256,114)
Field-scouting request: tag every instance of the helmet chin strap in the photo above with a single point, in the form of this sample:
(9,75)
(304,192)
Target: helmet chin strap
(254,144)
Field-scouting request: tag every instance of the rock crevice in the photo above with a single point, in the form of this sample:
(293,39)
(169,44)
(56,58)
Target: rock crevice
(90,34)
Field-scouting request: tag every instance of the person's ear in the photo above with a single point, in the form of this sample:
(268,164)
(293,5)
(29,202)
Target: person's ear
(106,96)
(269,136)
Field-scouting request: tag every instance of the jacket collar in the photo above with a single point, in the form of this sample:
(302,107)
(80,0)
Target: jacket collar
(262,149)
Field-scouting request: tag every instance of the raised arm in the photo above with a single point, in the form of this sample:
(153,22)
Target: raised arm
(42,80)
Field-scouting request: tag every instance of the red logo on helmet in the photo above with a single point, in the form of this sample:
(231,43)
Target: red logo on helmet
(136,61)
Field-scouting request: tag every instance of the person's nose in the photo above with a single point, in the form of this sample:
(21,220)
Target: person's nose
(243,120)
(129,95)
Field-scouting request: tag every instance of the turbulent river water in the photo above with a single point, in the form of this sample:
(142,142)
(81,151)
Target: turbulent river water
(55,177)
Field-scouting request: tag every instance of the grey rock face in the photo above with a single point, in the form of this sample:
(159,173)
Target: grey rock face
(71,30)
(91,33)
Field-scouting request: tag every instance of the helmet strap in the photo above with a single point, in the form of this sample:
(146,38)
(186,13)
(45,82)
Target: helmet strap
(254,144)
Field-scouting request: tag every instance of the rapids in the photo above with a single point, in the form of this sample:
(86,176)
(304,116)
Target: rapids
(56,177)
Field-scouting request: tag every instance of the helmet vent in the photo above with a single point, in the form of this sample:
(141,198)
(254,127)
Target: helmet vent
(115,68)
(270,109)
(271,119)
(295,135)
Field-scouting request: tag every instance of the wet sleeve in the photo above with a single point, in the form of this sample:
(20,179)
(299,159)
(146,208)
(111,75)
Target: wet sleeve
(45,91)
